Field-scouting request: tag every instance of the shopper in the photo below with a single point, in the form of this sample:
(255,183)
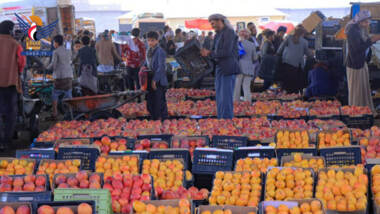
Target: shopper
(247,59)
(279,37)
(178,36)
(252,29)
(155,62)
(170,45)
(12,64)
(359,90)
(268,59)
(225,54)
(209,40)
(62,73)
(87,68)
(106,53)
(322,81)
(293,51)
(134,51)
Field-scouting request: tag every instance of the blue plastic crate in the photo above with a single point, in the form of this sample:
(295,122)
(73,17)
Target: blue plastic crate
(341,155)
(228,142)
(254,152)
(209,161)
(87,155)
(183,154)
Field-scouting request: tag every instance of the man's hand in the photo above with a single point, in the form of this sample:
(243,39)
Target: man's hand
(205,52)
(154,86)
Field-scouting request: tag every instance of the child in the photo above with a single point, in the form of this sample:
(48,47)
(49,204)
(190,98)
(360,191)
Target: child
(62,73)
(155,62)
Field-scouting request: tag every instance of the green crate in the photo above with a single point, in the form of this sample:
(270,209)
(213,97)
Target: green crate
(102,197)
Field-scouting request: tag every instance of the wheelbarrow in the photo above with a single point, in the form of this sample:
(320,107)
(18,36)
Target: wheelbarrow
(111,82)
(99,106)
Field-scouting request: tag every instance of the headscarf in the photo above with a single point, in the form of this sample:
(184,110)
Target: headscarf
(218,16)
(6,27)
(359,17)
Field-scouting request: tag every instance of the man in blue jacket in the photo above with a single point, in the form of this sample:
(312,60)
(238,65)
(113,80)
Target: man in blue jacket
(155,62)
(225,54)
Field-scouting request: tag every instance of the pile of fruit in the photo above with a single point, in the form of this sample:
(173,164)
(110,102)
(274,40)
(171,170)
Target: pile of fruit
(107,145)
(332,139)
(27,183)
(82,208)
(184,127)
(112,165)
(375,173)
(192,193)
(343,189)
(255,164)
(289,183)
(274,96)
(236,188)
(222,211)
(23,209)
(15,166)
(324,111)
(183,207)
(132,110)
(52,167)
(293,139)
(81,180)
(354,111)
(316,163)
(263,108)
(166,173)
(291,113)
(146,144)
(312,207)
(189,143)
(372,146)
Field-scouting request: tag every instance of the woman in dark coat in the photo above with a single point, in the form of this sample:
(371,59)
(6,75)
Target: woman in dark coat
(87,68)
(268,59)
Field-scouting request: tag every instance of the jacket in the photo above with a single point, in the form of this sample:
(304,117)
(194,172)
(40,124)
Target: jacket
(268,61)
(225,52)
(106,51)
(322,83)
(11,62)
(292,53)
(246,62)
(87,56)
(158,66)
(356,47)
(61,63)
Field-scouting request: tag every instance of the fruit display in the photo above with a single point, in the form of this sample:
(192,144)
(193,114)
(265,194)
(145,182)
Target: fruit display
(107,145)
(274,96)
(327,124)
(81,180)
(146,144)
(27,183)
(359,133)
(182,206)
(127,188)
(52,167)
(254,164)
(324,111)
(293,139)
(343,190)
(372,146)
(303,161)
(311,206)
(204,108)
(332,139)
(16,209)
(136,128)
(132,110)
(325,104)
(191,193)
(82,208)
(166,173)
(112,165)
(109,127)
(375,131)
(375,187)
(199,93)
(70,142)
(291,113)
(181,127)
(297,104)
(14,166)
(210,127)
(226,210)
(236,188)
(175,94)
(354,111)
(189,143)
(180,108)
(287,183)
(263,108)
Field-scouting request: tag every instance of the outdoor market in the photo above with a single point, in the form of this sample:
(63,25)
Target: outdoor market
(155,108)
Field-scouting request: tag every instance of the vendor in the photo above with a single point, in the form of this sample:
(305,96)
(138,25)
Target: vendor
(322,81)
(358,39)
(225,54)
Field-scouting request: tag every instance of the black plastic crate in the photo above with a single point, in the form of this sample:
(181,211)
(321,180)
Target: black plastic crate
(362,122)
(228,142)
(254,152)
(209,161)
(130,141)
(333,117)
(288,152)
(179,139)
(70,204)
(42,145)
(164,154)
(341,155)
(37,154)
(87,155)
(162,137)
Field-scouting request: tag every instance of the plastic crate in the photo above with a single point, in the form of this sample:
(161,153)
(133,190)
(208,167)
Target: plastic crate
(234,209)
(361,122)
(37,154)
(163,154)
(190,138)
(42,145)
(290,204)
(341,155)
(16,205)
(9,160)
(163,137)
(87,155)
(209,161)
(102,197)
(71,204)
(130,141)
(254,152)
(228,142)
(289,152)
(67,175)
(142,155)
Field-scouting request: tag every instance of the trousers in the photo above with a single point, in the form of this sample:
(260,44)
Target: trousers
(156,103)
(133,78)
(224,87)
(8,112)
(245,82)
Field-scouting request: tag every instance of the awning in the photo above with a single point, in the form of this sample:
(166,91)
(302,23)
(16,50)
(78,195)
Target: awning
(275,25)
(201,24)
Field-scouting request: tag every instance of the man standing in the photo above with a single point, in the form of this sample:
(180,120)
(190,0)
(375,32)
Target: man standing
(209,40)
(11,65)
(225,54)
(279,37)
(106,52)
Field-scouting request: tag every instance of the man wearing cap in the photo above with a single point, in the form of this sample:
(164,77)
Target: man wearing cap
(359,41)
(279,37)
(225,54)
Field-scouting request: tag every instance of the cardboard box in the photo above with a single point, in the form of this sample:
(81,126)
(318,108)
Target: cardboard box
(312,21)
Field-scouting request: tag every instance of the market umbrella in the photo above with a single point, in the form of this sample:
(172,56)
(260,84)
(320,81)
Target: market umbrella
(201,24)
(275,25)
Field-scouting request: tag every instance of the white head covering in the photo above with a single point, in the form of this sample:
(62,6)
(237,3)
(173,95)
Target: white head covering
(359,17)
(218,16)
